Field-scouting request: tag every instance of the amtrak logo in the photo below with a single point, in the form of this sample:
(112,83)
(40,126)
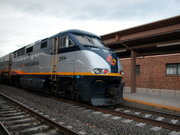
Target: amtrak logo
(111,60)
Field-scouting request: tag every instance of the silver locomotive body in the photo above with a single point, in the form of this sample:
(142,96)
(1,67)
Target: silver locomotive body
(72,64)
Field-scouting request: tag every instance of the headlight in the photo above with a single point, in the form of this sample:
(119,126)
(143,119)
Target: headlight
(100,71)
(121,72)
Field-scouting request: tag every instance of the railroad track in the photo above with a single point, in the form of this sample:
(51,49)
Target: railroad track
(146,118)
(160,116)
(17,118)
(158,119)
(132,113)
(167,115)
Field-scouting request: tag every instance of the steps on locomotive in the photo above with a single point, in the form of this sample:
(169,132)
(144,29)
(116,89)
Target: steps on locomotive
(102,101)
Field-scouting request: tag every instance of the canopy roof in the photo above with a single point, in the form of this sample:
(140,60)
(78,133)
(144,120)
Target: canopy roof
(161,37)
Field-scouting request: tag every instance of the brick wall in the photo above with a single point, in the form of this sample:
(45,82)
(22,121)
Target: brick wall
(153,72)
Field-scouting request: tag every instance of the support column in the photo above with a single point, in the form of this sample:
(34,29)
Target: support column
(133,71)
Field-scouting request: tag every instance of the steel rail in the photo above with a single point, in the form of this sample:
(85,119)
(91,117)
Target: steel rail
(61,128)
(125,115)
(146,120)
(5,131)
(167,115)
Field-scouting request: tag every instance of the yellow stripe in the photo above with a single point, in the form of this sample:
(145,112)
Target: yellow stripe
(154,105)
(17,71)
(73,73)
(63,73)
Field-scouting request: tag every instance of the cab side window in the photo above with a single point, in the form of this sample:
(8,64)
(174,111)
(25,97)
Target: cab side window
(30,49)
(43,44)
(65,42)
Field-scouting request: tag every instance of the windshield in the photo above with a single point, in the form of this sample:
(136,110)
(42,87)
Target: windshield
(87,40)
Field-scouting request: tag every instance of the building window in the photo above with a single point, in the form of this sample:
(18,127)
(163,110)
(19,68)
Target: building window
(173,69)
(137,69)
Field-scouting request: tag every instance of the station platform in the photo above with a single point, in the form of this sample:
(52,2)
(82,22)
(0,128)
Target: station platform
(163,101)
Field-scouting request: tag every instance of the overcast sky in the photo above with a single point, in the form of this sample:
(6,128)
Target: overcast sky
(26,21)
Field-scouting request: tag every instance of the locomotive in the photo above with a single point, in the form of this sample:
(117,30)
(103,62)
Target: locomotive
(73,64)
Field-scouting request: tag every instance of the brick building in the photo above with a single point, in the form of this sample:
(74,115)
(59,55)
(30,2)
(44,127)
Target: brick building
(155,72)
(150,54)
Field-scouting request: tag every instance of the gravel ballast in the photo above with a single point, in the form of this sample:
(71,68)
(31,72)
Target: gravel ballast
(82,120)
